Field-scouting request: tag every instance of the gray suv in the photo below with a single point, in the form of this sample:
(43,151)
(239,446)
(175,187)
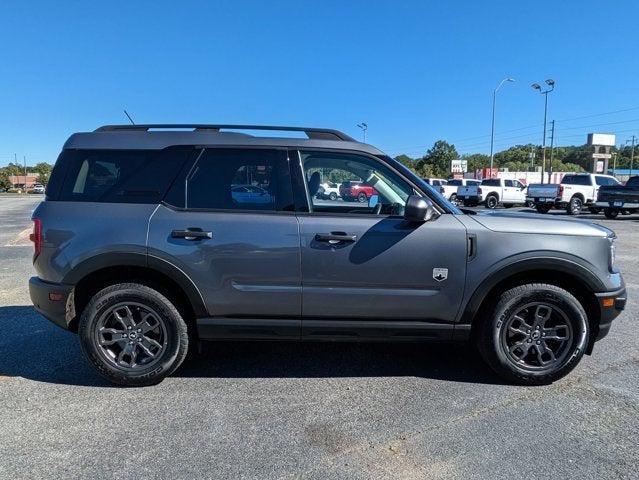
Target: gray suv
(152,238)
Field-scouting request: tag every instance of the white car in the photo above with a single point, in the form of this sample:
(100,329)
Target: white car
(493,192)
(449,191)
(38,188)
(328,191)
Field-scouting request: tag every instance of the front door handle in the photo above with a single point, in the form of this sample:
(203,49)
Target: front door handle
(191,234)
(335,237)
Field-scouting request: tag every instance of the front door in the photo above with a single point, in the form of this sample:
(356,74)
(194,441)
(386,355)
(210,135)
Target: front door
(234,233)
(364,261)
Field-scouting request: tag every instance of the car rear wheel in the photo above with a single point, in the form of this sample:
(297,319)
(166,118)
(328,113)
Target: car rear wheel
(362,198)
(611,213)
(333,196)
(454,200)
(132,335)
(542,208)
(535,334)
(492,201)
(574,206)
(508,205)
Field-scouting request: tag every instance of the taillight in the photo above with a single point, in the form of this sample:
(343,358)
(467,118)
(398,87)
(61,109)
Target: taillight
(36,237)
(479,190)
(561,190)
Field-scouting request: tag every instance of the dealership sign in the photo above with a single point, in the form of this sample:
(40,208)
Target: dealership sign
(458,166)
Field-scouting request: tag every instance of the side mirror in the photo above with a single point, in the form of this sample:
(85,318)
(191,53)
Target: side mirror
(419,209)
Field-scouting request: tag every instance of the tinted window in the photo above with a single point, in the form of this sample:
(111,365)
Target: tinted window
(576,180)
(132,176)
(236,179)
(493,182)
(509,183)
(602,181)
(455,183)
(633,182)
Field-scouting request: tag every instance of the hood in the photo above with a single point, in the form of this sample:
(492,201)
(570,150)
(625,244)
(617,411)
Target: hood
(521,222)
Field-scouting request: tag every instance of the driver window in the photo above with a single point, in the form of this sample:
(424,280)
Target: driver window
(353,184)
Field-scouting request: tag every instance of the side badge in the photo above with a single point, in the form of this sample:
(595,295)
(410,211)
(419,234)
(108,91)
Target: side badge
(440,274)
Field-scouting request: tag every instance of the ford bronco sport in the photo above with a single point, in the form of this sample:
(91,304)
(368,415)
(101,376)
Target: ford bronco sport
(143,248)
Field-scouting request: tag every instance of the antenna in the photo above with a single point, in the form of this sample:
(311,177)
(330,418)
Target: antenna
(129,117)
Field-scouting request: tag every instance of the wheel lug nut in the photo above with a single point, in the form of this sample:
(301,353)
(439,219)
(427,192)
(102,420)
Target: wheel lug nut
(527,331)
(529,340)
(139,330)
(129,327)
(538,343)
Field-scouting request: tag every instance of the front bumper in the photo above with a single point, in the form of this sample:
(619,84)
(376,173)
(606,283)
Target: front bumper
(611,304)
(54,301)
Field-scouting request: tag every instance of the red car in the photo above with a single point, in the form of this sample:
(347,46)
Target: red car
(354,191)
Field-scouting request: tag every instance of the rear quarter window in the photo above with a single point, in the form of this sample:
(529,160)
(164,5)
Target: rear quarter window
(116,176)
(495,182)
(576,180)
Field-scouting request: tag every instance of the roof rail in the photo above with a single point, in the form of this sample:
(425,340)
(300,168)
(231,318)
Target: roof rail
(311,133)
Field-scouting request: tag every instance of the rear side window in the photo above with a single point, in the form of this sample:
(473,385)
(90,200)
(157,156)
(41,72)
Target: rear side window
(117,176)
(606,181)
(633,182)
(455,183)
(240,179)
(494,182)
(576,180)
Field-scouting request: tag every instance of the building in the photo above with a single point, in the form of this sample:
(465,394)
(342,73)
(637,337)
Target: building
(18,181)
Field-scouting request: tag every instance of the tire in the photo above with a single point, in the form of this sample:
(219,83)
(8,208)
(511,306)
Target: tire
(131,302)
(492,201)
(333,196)
(453,199)
(501,333)
(574,206)
(594,210)
(362,198)
(611,213)
(542,208)
(508,205)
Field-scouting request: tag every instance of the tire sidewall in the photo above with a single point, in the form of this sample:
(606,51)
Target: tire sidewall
(574,208)
(555,297)
(174,325)
(491,202)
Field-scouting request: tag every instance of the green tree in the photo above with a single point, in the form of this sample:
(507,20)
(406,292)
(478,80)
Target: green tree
(437,160)
(43,170)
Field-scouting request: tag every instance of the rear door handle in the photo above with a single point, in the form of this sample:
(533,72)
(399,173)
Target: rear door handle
(335,237)
(191,234)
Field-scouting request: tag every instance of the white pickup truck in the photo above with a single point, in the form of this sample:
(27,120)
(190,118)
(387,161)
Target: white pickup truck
(449,190)
(573,193)
(493,192)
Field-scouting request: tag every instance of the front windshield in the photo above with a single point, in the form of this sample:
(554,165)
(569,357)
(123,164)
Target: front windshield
(432,192)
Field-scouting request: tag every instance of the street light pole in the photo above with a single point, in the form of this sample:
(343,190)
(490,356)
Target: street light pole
(492,128)
(364,127)
(551,84)
(632,155)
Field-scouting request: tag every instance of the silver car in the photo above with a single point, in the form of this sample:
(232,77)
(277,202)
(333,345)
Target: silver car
(143,248)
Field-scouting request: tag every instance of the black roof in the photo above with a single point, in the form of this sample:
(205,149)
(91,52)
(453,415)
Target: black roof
(158,136)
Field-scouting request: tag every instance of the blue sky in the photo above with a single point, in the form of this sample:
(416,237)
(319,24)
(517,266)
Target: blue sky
(414,71)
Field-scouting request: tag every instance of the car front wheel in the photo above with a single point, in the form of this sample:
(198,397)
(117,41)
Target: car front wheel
(132,335)
(333,196)
(362,198)
(535,334)
(492,202)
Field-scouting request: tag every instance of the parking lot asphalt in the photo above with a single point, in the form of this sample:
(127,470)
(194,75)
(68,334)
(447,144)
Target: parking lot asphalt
(325,410)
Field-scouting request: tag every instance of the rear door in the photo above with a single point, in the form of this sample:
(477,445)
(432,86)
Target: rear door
(365,262)
(229,224)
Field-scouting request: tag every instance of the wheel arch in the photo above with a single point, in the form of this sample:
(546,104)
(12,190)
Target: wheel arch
(564,273)
(93,274)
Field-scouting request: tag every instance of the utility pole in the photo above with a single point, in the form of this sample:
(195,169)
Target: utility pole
(552,149)
(24,159)
(632,155)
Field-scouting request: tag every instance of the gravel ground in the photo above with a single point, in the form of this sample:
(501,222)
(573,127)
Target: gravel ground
(278,410)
